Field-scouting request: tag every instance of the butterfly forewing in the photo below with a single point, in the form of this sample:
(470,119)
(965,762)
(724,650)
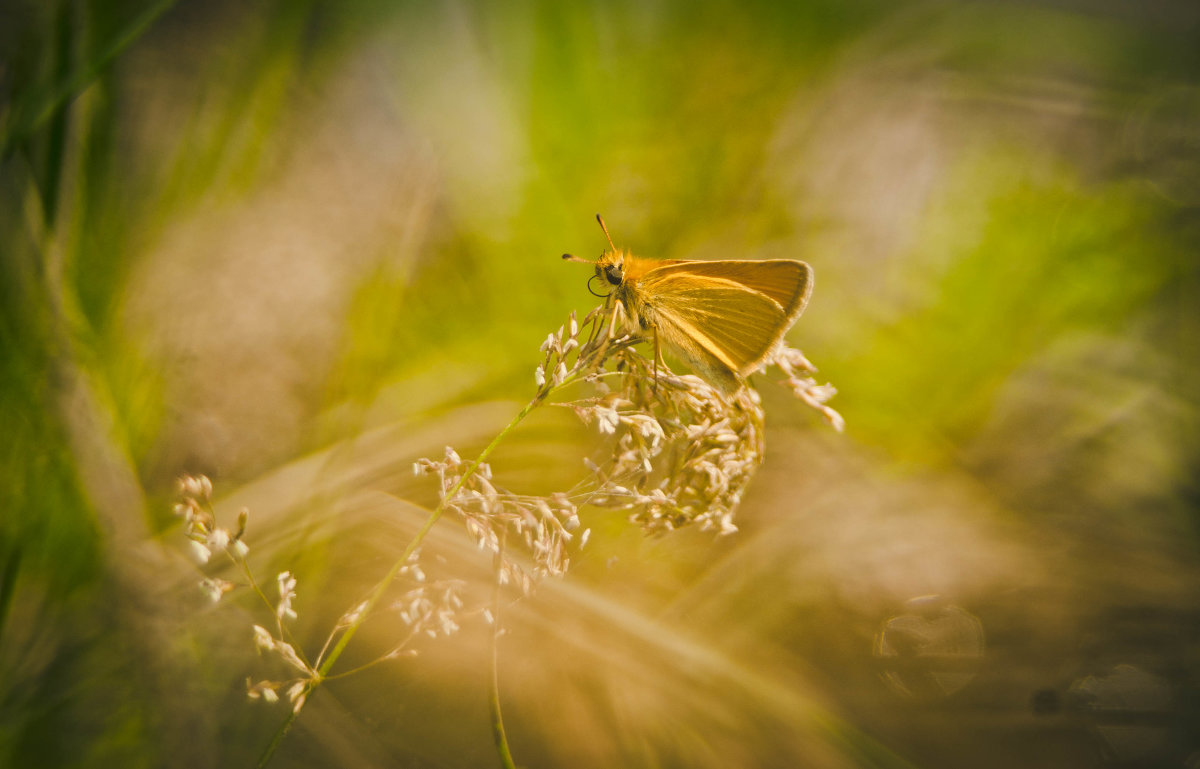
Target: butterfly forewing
(786,281)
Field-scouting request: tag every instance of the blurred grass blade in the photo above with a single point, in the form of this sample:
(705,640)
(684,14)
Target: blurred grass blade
(71,85)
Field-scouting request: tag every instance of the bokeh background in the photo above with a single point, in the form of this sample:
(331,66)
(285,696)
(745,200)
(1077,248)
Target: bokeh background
(296,245)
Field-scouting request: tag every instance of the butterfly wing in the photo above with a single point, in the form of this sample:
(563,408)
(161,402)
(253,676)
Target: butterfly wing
(725,317)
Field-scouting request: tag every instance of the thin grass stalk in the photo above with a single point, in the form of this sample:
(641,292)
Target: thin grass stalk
(498,733)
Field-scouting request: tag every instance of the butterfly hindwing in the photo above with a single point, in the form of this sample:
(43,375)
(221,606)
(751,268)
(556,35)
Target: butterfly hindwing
(733,311)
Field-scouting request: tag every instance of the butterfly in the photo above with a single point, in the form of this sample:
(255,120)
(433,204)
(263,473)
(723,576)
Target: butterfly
(723,318)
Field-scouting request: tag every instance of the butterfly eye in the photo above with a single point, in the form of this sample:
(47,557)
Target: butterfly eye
(612,273)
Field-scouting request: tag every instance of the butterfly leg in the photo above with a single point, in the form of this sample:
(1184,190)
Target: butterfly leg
(657,358)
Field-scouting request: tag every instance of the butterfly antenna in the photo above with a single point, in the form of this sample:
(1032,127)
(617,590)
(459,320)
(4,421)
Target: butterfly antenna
(603,227)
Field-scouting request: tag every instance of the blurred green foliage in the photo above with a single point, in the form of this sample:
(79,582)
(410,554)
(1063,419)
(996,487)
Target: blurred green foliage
(237,235)
(1052,259)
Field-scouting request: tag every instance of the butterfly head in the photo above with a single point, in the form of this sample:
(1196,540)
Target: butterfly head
(610,267)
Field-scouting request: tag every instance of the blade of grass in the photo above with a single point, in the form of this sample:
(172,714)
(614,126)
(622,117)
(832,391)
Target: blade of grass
(71,85)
